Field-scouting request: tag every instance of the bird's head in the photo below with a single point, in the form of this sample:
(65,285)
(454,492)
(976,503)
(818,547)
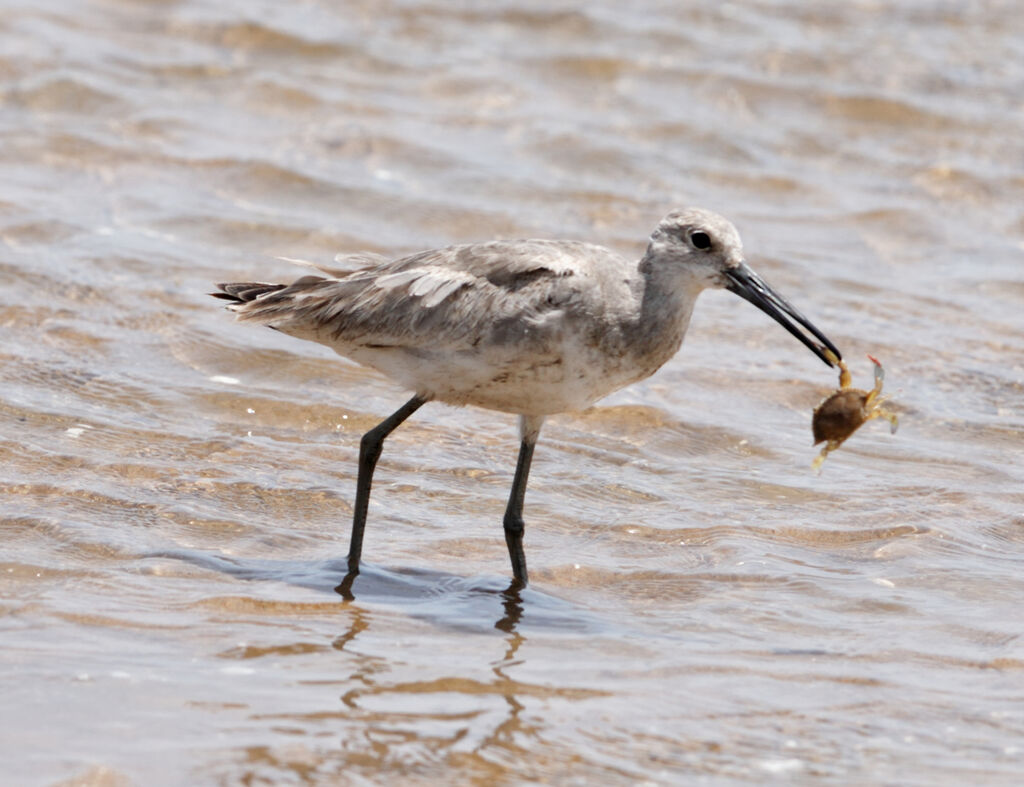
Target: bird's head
(705,250)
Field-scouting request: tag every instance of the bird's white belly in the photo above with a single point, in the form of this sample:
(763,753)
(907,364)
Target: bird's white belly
(571,378)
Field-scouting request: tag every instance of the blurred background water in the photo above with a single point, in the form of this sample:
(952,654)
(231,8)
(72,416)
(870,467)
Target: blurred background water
(175,489)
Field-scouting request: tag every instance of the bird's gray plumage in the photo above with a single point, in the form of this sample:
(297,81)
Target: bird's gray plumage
(483,323)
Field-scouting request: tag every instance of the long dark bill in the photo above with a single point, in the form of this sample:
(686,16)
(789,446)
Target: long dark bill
(751,287)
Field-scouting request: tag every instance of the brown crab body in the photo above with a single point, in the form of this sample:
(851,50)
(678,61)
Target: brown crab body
(844,411)
(840,415)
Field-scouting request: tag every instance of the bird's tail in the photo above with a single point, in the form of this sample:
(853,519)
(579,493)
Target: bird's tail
(240,292)
(281,306)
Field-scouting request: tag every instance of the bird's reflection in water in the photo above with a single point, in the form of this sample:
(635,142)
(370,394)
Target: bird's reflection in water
(360,623)
(438,693)
(426,661)
(512,602)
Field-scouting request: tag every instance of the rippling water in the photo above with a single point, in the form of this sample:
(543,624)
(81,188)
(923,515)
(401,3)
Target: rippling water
(175,489)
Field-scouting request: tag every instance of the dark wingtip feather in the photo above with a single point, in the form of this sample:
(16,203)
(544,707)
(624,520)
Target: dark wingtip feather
(244,291)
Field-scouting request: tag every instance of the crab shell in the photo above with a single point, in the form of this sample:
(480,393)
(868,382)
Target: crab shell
(840,415)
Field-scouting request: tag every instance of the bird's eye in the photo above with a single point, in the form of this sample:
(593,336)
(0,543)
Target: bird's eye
(700,240)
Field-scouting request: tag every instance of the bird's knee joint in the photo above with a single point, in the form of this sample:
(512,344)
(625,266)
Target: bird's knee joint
(370,444)
(514,525)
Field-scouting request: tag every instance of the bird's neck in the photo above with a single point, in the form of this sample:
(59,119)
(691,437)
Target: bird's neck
(666,305)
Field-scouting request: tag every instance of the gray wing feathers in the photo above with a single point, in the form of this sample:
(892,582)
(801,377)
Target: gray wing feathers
(459,295)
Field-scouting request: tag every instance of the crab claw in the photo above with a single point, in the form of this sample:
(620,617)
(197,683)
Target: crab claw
(879,371)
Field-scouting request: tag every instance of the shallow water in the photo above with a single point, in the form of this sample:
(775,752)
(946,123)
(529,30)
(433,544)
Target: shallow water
(176,489)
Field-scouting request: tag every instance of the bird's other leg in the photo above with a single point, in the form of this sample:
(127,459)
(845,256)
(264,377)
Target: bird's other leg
(529,430)
(369,453)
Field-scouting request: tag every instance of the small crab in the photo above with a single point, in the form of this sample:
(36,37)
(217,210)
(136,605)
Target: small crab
(843,412)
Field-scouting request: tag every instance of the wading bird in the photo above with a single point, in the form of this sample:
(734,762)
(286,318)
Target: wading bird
(532,327)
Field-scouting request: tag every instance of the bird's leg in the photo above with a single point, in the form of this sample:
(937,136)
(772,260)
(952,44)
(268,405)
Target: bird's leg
(529,429)
(369,452)
(514,525)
